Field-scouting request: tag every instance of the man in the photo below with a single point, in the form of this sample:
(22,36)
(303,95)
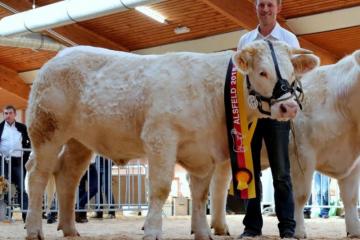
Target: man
(275,135)
(84,190)
(322,183)
(14,136)
(105,166)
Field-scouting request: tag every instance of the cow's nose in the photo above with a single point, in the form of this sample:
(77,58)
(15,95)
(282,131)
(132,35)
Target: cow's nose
(283,108)
(289,109)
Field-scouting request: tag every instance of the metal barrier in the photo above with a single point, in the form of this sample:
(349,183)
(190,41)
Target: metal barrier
(121,188)
(118,188)
(325,190)
(12,168)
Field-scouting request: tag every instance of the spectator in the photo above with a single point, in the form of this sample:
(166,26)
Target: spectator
(13,137)
(51,216)
(83,193)
(105,166)
(322,183)
(275,135)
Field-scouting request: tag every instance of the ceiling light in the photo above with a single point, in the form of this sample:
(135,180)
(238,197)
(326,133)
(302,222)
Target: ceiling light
(151,13)
(181,30)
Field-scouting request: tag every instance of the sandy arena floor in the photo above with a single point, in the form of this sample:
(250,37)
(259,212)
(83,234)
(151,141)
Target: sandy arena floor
(174,228)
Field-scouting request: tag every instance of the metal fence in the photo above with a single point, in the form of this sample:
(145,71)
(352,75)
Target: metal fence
(117,188)
(125,188)
(325,194)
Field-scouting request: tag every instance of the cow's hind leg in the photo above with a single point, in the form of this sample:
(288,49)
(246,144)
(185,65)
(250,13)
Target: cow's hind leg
(199,192)
(349,191)
(218,193)
(161,149)
(74,160)
(45,156)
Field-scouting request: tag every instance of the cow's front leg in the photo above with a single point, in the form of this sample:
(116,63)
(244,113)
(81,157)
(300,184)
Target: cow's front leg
(161,148)
(349,191)
(302,190)
(218,193)
(199,187)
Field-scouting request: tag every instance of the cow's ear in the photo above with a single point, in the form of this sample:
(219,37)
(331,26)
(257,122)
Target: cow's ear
(300,51)
(357,57)
(243,59)
(304,63)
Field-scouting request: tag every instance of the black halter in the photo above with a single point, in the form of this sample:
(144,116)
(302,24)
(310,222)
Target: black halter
(281,87)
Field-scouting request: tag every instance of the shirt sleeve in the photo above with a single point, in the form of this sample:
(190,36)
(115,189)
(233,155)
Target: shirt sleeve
(241,43)
(293,41)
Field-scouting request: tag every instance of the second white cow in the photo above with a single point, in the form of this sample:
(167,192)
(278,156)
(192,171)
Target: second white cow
(168,108)
(327,135)
(327,139)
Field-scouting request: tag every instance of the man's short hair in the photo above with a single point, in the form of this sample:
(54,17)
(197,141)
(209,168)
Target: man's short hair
(7,107)
(278,2)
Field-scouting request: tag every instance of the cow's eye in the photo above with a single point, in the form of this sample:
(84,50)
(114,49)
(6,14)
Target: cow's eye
(263,74)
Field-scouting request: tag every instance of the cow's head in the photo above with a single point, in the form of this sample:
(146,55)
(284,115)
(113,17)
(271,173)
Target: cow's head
(271,70)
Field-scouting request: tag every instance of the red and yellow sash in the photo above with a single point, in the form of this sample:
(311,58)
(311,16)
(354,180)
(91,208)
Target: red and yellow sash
(239,135)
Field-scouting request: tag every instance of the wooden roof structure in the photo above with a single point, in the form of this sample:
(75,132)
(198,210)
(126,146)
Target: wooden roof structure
(133,31)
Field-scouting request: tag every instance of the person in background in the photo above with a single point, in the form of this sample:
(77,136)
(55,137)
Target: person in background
(275,135)
(81,216)
(322,183)
(105,167)
(13,137)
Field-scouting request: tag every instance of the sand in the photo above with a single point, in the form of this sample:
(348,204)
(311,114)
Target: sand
(174,228)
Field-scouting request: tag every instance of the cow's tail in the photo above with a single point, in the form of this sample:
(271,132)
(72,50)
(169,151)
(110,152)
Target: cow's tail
(50,192)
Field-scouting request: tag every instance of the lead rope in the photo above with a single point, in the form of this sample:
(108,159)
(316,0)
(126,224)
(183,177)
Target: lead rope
(292,128)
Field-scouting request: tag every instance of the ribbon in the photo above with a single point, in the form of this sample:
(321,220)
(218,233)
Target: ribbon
(239,135)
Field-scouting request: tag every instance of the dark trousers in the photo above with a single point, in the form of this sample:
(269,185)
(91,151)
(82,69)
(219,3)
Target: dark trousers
(93,186)
(105,175)
(276,137)
(17,171)
(322,195)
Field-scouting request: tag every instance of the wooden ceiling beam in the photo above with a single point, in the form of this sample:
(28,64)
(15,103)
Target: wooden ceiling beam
(12,82)
(74,32)
(243,13)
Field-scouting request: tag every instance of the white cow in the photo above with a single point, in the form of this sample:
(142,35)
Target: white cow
(327,135)
(169,108)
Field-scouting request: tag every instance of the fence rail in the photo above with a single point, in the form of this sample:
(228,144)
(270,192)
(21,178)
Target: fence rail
(122,188)
(117,188)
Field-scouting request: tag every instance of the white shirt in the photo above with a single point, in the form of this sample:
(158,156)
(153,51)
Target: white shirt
(277,34)
(10,139)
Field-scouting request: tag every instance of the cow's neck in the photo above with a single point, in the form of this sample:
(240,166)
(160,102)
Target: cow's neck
(252,114)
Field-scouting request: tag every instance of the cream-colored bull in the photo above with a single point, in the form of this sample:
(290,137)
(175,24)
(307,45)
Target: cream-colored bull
(168,108)
(327,136)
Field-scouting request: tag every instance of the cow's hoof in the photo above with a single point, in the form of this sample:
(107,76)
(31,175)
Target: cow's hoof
(71,234)
(353,235)
(152,237)
(221,230)
(300,234)
(35,236)
(203,237)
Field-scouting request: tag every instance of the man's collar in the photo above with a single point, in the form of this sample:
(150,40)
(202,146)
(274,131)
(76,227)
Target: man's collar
(275,33)
(10,125)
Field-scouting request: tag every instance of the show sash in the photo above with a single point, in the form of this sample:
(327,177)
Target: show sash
(239,135)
